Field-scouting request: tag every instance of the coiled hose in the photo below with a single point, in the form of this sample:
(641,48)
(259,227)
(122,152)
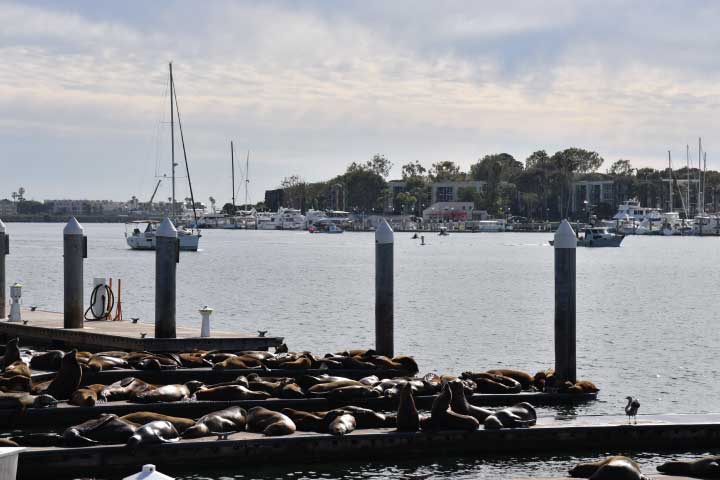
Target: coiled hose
(110,301)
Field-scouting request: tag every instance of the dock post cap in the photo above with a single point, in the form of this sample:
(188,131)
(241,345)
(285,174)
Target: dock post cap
(384,233)
(73,227)
(148,473)
(2,226)
(166,229)
(565,236)
(206,309)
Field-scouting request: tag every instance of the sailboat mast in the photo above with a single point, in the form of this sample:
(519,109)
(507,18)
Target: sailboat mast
(670,182)
(687,158)
(232,167)
(247,177)
(172,141)
(701,193)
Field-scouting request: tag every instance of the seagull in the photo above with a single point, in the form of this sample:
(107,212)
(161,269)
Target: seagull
(262,332)
(134,319)
(33,308)
(632,408)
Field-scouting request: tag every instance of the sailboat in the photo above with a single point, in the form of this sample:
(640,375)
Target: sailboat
(242,219)
(141,234)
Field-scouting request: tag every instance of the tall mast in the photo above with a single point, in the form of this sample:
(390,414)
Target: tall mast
(172,141)
(670,182)
(247,177)
(701,193)
(232,163)
(687,158)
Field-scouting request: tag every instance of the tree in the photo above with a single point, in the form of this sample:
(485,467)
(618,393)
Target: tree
(496,167)
(212,203)
(445,171)
(577,160)
(621,167)
(21,194)
(412,170)
(365,189)
(538,159)
(380,165)
(294,191)
(407,200)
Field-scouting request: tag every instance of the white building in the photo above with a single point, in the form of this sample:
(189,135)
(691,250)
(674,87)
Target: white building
(448,212)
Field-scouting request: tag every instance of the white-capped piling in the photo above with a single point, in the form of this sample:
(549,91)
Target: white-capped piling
(205,313)
(565,355)
(74,252)
(149,473)
(4,250)
(167,255)
(384,278)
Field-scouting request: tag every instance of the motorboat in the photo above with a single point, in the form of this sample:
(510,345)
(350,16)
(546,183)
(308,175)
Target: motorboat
(632,218)
(443,232)
(140,235)
(705,224)
(283,219)
(328,227)
(599,237)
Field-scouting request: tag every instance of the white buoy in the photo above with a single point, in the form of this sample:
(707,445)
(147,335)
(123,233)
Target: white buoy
(15,295)
(205,328)
(149,473)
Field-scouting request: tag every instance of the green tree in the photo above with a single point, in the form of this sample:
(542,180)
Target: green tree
(445,171)
(496,167)
(407,201)
(621,167)
(294,188)
(538,159)
(413,170)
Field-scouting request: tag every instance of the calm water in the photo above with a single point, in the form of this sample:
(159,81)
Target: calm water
(646,311)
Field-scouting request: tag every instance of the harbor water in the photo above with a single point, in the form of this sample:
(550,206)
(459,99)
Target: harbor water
(645,313)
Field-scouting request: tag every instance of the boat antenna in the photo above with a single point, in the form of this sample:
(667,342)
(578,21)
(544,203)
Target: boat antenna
(232,167)
(187,168)
(172,141)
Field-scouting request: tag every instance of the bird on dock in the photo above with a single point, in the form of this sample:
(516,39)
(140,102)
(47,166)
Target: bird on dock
(632,408)
(262,332)
(134,319)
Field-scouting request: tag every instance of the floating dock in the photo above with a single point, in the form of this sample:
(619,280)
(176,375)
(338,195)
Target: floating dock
(552,434)
(67,415)
(43,328)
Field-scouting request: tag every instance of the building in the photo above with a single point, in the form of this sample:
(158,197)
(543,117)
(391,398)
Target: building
(392,204)
(8,208)
(450,191)
(591,193)
(274,199)
(449,212)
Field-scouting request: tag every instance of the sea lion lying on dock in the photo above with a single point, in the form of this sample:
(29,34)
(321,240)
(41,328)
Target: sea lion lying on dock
(108,428)
(99,363)
(6,442)
(22,400)
(521,415)
(67,379)
(610,468)
(86,396)
(443,418)
(305,421)
(142,418)
(233,419)
(524,378)
(339,422)
(581,386)
(167,393)
(49,360)
(124,389)
(270,423)
(407,419)
(230,392)
(15,383)
(18,367)
(159,431)
(460,404)
(239,363)
(490,383)
(706,467)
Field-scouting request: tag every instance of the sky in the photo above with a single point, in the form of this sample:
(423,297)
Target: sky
(309,87)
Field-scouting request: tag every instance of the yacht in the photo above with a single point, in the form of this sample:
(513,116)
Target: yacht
(212,220)
(598,237)
(284,219)
(140,235)
(705,224)
(631,218)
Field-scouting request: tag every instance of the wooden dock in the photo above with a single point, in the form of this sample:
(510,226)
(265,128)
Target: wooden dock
(551,435)
(41,327)
(66,415)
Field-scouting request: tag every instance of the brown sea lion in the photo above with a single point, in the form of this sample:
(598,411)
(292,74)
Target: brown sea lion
(543,378)
(270,423)
(442,418)
(238,363)
(22,400)
(124,389)
(107,428)
(231,419)
(159,431)
(165,393)
(301,363)
(490,383)
(98,363)
(12,352)
(521,415)
(194,360)
(305,421)
(6,442)
(705,467)
(114,353)
(292,390)
(524,378)
(408,419)
(67,379)
(323,388)
(459,403)
(366,418)
(307,381)
(273,388)
(581,386)
(142,418)
(407,363)
(339,422)
(229,392)
(256,354)
(17,368)
(610,468)
(83,357)
(86,396)
(49,360)
(15,383)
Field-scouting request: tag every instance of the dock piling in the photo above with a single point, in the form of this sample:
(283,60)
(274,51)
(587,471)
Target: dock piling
(4,250)
(565,343)
(74,252)
(166,258)
(384,241)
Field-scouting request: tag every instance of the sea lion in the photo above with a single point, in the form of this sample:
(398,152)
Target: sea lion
(490,383)
(12,352)
(239,363)
(292,390)
(339,422)
(442,418)
(15,383)
(67,379)
(273,388)
(256,354)
(38,440)
(49,360)
(124,389)
(98,363)
(86,396)
(270,423)
(18,367)
(351,392)
(460,404)
(115,354)
(194,360)
(6,442)
(307,381)
(231,419)
(408,419)
(370,381)
(230,392)
(581,386)
(108,428)
(305,421)
(159,431)
(521,415)
(366,418)
(142,418)
(706,467)
(323,388)
(610,468)
(407,363)
(165,393)
(524,378)
(300,363)
(23,400)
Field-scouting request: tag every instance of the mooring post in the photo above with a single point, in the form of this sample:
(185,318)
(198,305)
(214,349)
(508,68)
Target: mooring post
(565,355)
(167,255)
(384,240)
(4,250)
(74,251)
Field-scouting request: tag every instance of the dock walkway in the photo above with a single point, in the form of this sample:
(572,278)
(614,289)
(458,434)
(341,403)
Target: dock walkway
(552,434)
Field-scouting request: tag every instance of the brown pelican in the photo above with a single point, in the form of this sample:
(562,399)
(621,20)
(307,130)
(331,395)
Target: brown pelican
(631,408)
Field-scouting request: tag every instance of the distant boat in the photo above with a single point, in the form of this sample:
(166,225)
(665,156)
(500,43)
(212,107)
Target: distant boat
(598,237)
(140,235)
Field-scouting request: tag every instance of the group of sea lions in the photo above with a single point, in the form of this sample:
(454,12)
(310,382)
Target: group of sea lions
(515,381)
(624,468)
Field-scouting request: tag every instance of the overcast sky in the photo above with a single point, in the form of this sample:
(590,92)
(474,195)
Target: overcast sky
(309,87)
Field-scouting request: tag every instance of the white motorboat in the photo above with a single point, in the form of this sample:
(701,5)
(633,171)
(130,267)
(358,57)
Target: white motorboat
(283,219)
(140,235)
(705,224)
(631,218)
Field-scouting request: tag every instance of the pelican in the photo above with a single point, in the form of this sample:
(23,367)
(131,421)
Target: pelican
(632,408)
